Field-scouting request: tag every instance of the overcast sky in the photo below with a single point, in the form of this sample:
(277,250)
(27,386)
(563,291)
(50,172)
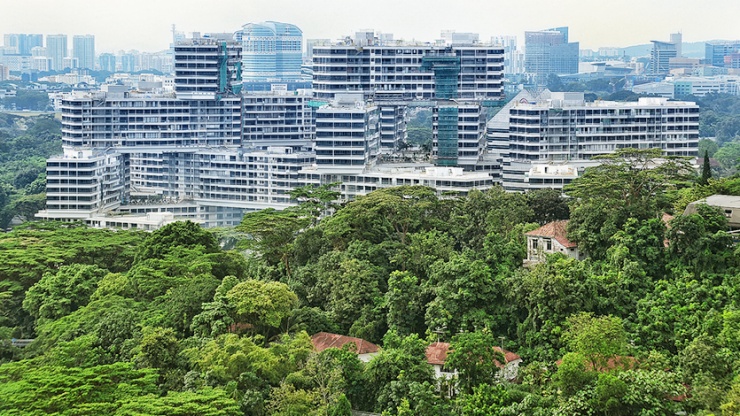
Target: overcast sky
(145,25)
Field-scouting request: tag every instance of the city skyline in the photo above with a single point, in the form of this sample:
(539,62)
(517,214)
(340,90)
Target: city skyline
(146,26)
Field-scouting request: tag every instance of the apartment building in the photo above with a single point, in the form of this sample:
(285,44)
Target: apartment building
(552,140)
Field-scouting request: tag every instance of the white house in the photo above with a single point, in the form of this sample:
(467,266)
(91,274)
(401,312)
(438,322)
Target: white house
(548,239)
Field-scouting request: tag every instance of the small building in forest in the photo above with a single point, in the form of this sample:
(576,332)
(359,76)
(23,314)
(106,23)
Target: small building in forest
(365,350)
(437,357)
(729,206)
(549,239)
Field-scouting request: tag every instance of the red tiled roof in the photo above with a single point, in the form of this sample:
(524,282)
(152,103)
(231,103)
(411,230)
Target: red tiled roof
(437,354)
(556,230)
(324,340)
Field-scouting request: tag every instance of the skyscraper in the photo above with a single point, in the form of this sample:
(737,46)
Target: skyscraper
(83,48)
(107,62)
(716,51)
(56,50)
(549,52)
(660,57)
(272,51)
(23,43)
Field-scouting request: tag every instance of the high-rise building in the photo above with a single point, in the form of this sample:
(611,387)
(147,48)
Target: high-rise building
(128,63)
(347,135)
(271,52)
(211,153)
(83,48)
(207,67)
(660,57)
(677,39)
(107,62)
(549,52)
(396,71)
(22,43)
(552,140)
(56,50)
(715,52)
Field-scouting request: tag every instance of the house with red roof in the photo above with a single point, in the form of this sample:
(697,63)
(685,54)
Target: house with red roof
(365,350)
(437,356)
(548,239)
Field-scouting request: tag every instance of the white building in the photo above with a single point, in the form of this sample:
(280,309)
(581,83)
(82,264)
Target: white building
(565,132)
(551,238)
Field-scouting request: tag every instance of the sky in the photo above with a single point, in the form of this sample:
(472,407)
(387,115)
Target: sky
(146,25)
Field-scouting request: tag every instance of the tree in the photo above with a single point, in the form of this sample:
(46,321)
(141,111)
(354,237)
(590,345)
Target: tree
(706,170)
(63,292)
(261,304)
(474,358)
(596,338)
(177,235)
(631,183)
(547,205)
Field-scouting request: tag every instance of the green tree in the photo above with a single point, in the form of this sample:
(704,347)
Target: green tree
(706,170)
(476,361)
(596,338)
(631,183)
(261,304)
(63,292)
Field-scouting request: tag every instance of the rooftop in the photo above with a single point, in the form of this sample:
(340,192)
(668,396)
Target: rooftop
(556,230)
(437,354)
(324,340)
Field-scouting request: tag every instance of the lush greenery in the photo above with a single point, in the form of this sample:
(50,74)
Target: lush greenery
(25,143)
(170,323)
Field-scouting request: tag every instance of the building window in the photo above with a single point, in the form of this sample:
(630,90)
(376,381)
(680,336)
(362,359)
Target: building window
(534,244)
(548,244)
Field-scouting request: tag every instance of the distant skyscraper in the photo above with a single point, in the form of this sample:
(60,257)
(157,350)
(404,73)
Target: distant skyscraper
(272,51)
(83,48)
(715,52)
(677,39)
(660,57)
(549,52)
(23,43)
(107,62)
(128,62)
(56,50)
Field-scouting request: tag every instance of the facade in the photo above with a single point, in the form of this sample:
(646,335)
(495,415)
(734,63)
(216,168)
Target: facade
(716,51)
(701,86)
(207,68)
(347,135)
(458,134)
(272,53)
(398,73)
(56,50)
(83,49)
(564,132)
(660,57)
(278,118)
(549,52)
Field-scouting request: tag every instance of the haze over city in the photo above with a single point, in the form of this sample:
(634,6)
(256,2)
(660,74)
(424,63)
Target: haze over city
(146,25)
